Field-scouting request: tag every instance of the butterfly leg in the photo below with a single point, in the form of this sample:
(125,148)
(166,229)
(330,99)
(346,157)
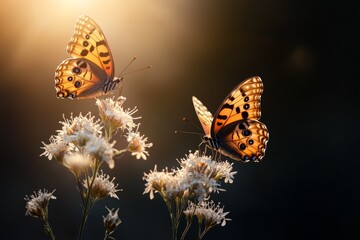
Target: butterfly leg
(219,156)
(202,152)
(213,152)
(216,155)
(121,86)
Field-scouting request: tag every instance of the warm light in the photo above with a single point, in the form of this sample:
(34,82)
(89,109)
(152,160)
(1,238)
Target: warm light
(76,162)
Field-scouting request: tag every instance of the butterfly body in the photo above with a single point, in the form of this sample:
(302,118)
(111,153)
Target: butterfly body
(235,130)
(90,71)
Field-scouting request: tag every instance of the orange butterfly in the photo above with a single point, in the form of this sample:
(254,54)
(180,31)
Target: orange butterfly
(235,130)
(90,72)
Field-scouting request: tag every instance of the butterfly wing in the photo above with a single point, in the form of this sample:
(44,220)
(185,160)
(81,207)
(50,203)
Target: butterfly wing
(244,140)
(89,42)
(236,126)
(205,117)
(242,103)
(79,78)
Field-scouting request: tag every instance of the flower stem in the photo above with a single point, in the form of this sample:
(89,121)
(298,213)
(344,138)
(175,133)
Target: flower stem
(117,152)
(199,230)
(88,202)
(188,224)
(80,190)
(173,223)
(48,229)
(205,231)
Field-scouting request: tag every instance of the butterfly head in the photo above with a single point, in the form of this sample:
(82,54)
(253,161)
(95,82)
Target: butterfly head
(213,143)
(119,81)
(111,85)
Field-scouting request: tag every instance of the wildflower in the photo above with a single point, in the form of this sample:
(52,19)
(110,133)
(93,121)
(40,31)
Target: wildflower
(57,148)
(101,150)
(79,130)
(76,162)
(200,185)
(37,203)
(223,171)
(102,186)
(111,221)
(193,163)
(197,177)
(156,181)
(137,145)
(189,212)
(114,116)
(211,213)
(37,206)
(168,184)
(202,174)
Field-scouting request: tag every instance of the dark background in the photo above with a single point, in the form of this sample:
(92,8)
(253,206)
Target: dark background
(306,187)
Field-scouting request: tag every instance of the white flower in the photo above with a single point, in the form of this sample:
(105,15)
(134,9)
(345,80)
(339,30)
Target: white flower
(189,212)
(208,211)
(37,203)
(168,184)
(155,181)
(223,171)
(102,186)
(198,177)
(111,221)
(101,149)
(194,163)
(137,145)
(202,174)
(79,130)
(57,148)
(113,114)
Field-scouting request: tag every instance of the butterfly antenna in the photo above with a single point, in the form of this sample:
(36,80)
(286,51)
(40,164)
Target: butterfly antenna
(137,70)
(194,133)
(122,74)
(194,125)
(126,67)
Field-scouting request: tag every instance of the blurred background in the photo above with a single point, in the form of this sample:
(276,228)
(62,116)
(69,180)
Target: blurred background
(306,52)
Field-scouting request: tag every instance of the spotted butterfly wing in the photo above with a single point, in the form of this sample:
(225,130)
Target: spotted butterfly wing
(90,72)
(235,130)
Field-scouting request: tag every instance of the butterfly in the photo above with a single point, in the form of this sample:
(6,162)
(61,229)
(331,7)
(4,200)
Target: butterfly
(235,130)
(90,71)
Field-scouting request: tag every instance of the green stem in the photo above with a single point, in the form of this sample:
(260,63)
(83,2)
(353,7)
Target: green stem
(173,224)
(205,231)
(188,224)
(49,230)
(199,229)
(80,190)
(117,152)
(47,225)
(88,202)
(107,131)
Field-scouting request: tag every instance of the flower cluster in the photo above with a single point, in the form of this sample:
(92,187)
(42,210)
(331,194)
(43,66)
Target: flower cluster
(80,134)
(83,135)
(198,177)
(102,186)
(208,212)
(190,187)
(114,116)
(82,145)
